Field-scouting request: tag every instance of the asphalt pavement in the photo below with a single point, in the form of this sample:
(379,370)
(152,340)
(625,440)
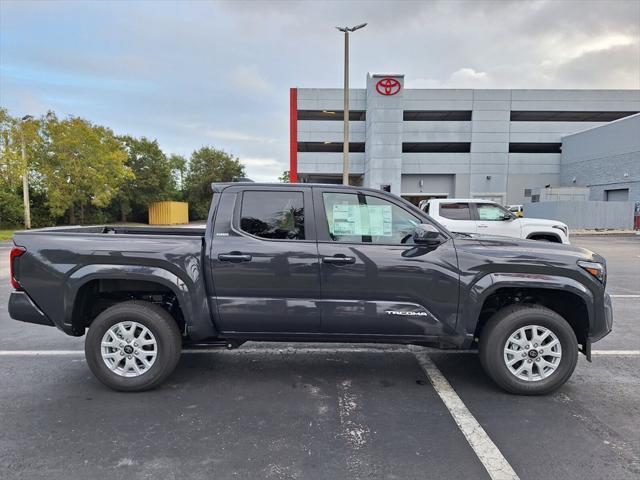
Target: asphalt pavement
(317,411)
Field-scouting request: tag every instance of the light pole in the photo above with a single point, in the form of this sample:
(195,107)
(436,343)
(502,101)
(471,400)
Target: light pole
(345,149)
(25,175)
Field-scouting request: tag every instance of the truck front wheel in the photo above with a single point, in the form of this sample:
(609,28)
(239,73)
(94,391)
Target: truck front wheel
(133,346)
(528,349)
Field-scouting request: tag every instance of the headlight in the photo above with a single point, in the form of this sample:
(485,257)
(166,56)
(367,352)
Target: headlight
(564,229)
(598,270)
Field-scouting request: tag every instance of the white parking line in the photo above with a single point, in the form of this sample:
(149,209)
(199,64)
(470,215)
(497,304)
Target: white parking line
(624,296)
(488,453)
(615,352)
(280,351)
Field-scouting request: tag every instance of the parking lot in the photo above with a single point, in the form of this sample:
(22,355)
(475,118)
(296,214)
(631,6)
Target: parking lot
(318,411)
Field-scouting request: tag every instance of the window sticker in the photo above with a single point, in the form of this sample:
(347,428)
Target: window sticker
(346,220)
(380,220)
(372,220)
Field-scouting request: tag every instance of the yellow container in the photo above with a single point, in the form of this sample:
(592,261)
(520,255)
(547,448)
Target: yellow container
(168,213)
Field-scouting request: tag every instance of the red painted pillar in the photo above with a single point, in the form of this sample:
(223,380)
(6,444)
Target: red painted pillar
(293,135)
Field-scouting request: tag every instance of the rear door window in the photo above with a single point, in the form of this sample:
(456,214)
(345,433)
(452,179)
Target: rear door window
(274,215)
(455,211)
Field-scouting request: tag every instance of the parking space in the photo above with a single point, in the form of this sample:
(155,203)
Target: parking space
(319,411)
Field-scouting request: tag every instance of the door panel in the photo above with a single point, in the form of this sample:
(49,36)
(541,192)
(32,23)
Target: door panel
(384,289)
(265,284)
(489,221)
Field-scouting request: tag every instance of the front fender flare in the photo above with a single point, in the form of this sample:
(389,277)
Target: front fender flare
(477,293)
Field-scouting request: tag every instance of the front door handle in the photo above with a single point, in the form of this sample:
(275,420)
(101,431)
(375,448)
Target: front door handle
(234,257)
(483,226)
(339,260)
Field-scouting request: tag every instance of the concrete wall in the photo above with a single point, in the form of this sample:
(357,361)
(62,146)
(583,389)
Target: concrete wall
(490,131)
(604,158)
(383,144)
(584,214)
(431,184)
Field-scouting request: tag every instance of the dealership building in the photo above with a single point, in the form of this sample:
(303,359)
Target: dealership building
(425,143)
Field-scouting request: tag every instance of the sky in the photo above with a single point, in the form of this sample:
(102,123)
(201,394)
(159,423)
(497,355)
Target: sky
(194,73)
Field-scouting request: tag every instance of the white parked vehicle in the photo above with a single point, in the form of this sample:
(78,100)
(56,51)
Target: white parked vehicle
(474,215)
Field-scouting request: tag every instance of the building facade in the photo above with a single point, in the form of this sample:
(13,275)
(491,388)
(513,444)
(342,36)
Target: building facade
(424,143)
(605,159)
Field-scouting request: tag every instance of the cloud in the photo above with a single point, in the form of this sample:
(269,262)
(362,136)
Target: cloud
(263,169)
(468,78)
(237,136)
(219,73)
(248,77)
(599,68)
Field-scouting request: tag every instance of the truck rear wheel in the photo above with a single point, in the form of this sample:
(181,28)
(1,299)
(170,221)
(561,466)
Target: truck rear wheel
(133,346)
(528,349)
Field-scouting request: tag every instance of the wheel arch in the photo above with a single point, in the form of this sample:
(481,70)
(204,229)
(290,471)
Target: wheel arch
(126,282)
(565,296)
(569,305)
(551,236)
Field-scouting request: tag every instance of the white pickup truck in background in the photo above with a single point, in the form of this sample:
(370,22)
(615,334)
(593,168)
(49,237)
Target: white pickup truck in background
(473,215)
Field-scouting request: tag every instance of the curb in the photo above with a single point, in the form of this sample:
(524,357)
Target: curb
(597,233)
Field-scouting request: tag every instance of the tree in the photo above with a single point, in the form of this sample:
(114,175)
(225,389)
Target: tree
(153,181)
(285,177)
(11,208)
(14,135)
(10,164)
(208,165)
(179,169)
(81,164)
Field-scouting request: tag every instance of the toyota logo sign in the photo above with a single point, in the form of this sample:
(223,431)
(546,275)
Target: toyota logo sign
(388,86)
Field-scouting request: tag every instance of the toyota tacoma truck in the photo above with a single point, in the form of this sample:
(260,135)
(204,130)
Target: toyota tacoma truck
(311,263)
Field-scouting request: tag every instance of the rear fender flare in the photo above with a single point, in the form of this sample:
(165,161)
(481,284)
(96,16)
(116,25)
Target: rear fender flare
(191,295)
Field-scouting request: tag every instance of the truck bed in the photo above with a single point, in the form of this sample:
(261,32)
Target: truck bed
(60,264)
(121,230)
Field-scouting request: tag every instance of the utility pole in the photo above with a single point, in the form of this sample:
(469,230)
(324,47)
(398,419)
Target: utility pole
(25,175)
(345,148)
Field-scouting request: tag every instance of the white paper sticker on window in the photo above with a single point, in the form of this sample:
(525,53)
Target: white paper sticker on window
(380,220)
(371,220)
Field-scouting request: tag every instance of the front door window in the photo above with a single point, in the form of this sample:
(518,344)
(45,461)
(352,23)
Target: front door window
(357,218)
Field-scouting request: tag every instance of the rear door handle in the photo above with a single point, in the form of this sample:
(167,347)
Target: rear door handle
(338,260)
(234,257)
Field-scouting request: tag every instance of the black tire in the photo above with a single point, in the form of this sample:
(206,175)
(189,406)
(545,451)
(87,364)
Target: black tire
(502,325)
(163,327)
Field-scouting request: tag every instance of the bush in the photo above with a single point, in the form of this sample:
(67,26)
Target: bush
(11,209)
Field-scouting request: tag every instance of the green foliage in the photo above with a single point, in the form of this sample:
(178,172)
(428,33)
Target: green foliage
(153,181)
(10,164)
(179,168)
(11,208)
(81,164)
(285,177)
(83,170)
(208,165)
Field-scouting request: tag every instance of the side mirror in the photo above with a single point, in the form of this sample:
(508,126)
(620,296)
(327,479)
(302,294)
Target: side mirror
(426,234)
(508,216)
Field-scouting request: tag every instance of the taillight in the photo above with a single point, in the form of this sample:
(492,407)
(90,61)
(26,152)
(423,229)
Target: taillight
(15,253)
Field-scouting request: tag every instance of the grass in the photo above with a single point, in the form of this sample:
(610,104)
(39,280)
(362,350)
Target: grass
(6,234)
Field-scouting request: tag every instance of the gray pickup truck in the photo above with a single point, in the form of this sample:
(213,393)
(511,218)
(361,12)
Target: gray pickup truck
(309,263)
